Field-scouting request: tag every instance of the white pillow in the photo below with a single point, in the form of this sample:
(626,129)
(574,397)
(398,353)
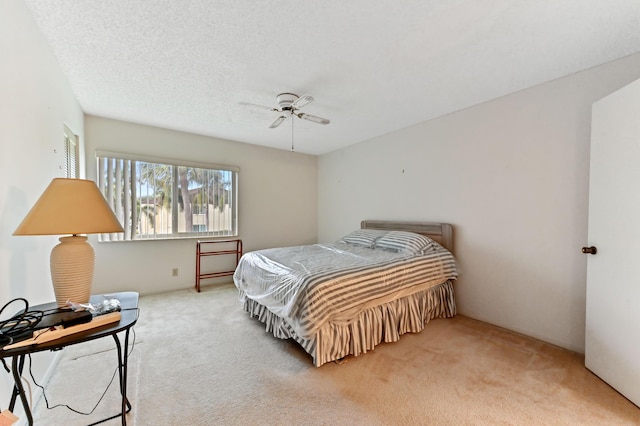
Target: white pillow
(405,242)
(363,237)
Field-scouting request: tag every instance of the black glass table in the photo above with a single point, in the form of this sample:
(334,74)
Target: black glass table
(128,318)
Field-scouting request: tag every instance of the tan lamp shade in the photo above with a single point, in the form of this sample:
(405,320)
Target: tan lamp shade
(71,206)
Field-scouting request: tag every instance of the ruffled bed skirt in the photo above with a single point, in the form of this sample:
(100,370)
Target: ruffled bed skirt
(382,323)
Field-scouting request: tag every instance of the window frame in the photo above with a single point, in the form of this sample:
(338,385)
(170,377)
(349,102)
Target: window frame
(71,153)
(174,164)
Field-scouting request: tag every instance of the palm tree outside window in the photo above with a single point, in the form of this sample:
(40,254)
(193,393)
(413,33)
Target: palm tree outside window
(155,199)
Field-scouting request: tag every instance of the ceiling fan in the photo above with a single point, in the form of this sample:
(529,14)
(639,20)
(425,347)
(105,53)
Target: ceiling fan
(288,105)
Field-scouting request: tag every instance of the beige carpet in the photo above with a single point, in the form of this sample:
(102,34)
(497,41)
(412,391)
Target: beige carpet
(200,360)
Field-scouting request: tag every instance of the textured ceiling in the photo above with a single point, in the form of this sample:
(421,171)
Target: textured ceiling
(372,66)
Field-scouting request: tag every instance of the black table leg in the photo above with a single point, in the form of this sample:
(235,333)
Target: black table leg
(123,357)
(18,389)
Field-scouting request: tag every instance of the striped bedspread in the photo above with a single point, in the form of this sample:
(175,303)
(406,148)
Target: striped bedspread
(309,286)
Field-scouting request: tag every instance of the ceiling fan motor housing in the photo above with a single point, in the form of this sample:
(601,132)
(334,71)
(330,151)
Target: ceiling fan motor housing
(286,99)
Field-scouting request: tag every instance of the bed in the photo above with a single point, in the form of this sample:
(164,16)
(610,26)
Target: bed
(373,285)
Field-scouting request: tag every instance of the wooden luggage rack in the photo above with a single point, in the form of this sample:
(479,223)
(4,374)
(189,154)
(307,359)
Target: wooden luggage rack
(216,248)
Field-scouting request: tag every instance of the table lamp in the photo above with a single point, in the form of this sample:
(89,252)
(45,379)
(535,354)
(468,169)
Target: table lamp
(71,206)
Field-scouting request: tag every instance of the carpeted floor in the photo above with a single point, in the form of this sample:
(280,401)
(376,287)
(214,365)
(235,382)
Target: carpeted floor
(200,360)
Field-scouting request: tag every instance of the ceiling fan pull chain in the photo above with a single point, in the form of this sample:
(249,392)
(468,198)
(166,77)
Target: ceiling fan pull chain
(292,120)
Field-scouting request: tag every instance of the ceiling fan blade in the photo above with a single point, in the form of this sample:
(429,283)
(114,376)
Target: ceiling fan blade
(278,122)
(302,101)
(314,118)
(258,106)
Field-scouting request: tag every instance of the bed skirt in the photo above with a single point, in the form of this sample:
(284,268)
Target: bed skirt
(382,323)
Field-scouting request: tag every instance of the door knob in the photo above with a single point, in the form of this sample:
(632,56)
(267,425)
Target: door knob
(589,250)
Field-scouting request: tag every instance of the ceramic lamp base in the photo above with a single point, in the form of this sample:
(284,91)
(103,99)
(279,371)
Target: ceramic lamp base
(72,265)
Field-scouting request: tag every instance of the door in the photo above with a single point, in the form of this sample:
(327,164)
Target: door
(612,345)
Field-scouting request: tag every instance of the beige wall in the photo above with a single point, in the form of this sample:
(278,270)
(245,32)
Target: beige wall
(277,202)
(35,104)
(512,176)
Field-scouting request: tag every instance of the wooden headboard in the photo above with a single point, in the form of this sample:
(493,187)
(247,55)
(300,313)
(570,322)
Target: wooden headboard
(440,232)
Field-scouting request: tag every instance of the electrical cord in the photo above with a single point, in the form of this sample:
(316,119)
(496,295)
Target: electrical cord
(44,395)
(19,324)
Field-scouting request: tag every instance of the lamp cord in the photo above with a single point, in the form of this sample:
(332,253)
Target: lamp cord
(19,324)
(44,395)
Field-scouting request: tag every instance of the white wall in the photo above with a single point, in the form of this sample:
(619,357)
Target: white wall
(277,203)
(35,104)
(512,176)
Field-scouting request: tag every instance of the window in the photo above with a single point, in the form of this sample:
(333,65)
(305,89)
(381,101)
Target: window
(161,199)
(71,156)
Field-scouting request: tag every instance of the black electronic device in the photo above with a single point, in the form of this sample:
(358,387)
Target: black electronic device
(63,317)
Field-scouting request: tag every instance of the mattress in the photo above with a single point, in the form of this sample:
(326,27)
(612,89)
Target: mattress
(309,287)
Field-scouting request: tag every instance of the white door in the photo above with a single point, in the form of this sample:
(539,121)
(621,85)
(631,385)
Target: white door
(612,346)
